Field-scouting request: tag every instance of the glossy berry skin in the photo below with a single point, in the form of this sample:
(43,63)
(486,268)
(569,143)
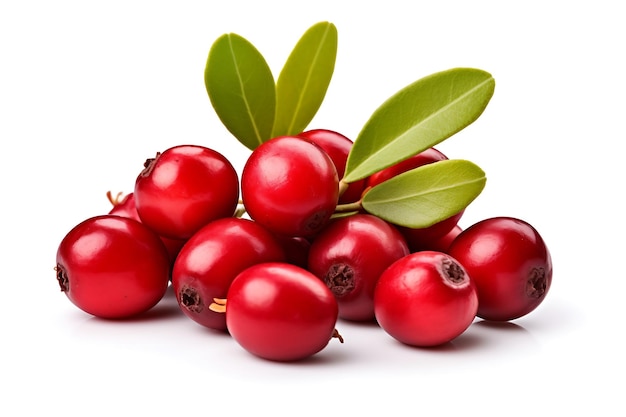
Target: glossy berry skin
(290,186)
(280,312)
(125,206)
(296,249)
(212,258)
(443,243)
(349,256)
(428,156)
(337,146)
(510,264)
(418,239)
(112,267)
(428,238)
(184,188)
(425,299)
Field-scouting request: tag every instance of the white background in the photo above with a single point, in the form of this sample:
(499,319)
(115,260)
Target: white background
(89,90)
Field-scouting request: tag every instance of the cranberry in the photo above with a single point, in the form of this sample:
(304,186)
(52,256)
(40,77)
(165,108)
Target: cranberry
(211,259)
(425,299)
(184,188)
(349,255)
(290,186)
(125,206)
(280,312)
(112,267)
(337,146)
(510,264)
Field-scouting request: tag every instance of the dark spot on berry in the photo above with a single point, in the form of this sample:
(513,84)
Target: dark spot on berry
(454,272)
(148,166)
(315,222)
(62,278)
(340,279)
(536,284)
(190,299)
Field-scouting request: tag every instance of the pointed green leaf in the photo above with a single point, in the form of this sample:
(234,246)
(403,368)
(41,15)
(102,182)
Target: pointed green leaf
(418,117)
(241,88)
(426,195)
(304,79)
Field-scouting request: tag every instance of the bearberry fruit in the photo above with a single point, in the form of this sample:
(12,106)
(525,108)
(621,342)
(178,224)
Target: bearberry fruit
(425,299)
(510,264)
(124,205)
(428,156)
(184,188)
(429,238)
(349,255)
(212,258)
(280,312)
(337,146)
(290,186)
(112,267)
(422,238)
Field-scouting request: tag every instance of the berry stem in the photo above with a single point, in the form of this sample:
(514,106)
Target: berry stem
(343,186)
(115,200)
(347,207)
(337,335)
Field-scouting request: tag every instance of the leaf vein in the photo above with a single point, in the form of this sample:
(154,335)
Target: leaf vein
(308,80)
(243,93)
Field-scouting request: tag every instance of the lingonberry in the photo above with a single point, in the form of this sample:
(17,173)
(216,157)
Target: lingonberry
(510,264)
(290,186)
(112,267)
(337,146)
(349,255)
(184,188)
(124,205)
(211,259)
(425,299)
(280,312)
(418,239)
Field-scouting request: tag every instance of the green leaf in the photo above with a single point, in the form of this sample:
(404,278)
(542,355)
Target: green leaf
(418,117)
(426,195)
(241,89)
(304,79)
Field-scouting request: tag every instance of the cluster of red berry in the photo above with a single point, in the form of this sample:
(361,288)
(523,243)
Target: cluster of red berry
(318,227)
(276,257)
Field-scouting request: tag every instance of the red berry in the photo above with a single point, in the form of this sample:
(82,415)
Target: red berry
(290,186)
(112,267)
(427,238)
(212,258)
(337,146)
(510,264)
(125,206)
(349,255)
(184,188)
(418,239)
(425,299)
(280,312)
(443,243)
(296,249)
(428,156)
